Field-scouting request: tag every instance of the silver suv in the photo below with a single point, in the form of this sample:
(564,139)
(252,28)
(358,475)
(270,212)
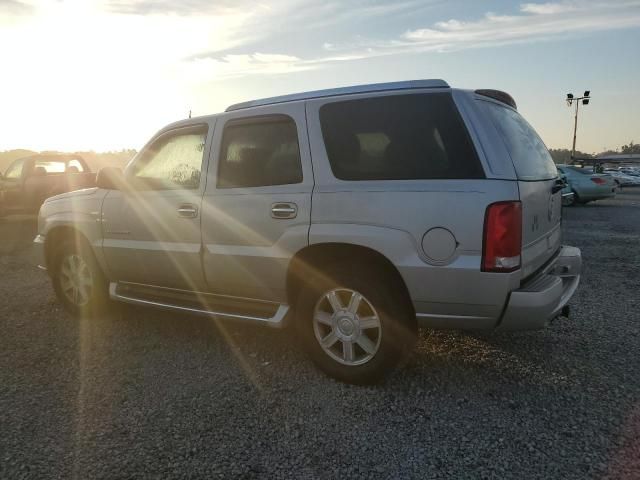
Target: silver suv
(357,214)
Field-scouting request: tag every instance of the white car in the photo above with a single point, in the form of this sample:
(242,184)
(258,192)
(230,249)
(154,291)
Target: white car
(622,178)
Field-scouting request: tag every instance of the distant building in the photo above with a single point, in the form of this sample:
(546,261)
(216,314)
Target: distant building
(618,158)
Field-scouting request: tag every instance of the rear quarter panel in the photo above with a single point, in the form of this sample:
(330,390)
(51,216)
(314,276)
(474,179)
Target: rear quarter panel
(392,217)
(394,224)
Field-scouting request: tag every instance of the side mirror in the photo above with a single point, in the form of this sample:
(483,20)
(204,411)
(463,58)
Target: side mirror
(110,178)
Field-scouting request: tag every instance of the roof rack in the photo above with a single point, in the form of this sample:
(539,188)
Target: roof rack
(374,87)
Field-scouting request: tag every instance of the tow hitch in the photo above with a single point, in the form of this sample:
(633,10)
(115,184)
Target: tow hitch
(563,313)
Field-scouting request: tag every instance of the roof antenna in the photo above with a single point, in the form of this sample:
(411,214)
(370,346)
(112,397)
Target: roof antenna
(189,113)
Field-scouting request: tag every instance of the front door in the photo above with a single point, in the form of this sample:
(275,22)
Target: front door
(257,205)
(11,187)
(152,228)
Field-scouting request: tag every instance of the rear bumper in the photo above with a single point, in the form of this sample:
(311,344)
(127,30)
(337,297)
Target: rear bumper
(599,193)
(542,298)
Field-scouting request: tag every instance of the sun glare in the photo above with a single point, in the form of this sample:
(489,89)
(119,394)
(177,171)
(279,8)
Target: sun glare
(98,80)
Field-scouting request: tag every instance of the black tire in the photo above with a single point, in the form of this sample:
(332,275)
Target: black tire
(395,337)
(97,297)
(574,201)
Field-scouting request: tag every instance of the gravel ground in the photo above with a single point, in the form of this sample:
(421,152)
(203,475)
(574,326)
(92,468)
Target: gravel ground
(153,395)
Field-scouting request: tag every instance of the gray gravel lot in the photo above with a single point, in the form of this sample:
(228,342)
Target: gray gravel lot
(145,394)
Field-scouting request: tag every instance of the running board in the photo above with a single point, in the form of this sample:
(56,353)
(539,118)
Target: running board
(274,316)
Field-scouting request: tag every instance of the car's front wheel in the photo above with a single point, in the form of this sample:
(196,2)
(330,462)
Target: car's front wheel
(78,279)
(354,325)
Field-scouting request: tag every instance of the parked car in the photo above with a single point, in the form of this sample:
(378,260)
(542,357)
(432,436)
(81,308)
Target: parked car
(623,179)
(356,214)
(588,186)
(28,181)
(633,171)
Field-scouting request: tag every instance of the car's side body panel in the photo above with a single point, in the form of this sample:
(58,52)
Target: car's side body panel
(79,210)
(585,188)
(246,249)
(393,217)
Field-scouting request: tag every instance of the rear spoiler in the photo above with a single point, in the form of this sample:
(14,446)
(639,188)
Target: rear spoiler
(499,95)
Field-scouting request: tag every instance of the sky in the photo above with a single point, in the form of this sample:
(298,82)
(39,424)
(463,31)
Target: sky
(105,75)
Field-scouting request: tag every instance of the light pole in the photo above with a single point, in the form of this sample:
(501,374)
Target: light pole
(570,100)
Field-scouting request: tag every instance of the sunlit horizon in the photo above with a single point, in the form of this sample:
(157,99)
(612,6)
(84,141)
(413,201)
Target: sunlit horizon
(105,75)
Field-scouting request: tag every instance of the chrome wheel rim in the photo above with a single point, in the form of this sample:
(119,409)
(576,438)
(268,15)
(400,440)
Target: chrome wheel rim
(75,280)
(347,327)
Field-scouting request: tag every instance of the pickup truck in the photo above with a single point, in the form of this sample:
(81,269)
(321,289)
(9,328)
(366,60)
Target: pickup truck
(28,181)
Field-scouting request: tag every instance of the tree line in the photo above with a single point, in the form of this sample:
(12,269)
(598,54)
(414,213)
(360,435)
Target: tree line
(563,155)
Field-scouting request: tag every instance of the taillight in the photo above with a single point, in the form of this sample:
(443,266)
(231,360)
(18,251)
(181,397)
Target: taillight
(502,242)
(598,180)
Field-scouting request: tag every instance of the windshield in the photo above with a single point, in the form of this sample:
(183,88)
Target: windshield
(583,171)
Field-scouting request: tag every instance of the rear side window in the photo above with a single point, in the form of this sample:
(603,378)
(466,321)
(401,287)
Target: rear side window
(529,155)
(74,166)
(51,166)
(259,152)
(403,137)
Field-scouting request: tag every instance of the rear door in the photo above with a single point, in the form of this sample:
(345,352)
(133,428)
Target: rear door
(257,206)
(536,174)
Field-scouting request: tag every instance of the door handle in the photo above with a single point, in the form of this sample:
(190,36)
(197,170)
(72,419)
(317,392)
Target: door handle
(284,210)
(188,211)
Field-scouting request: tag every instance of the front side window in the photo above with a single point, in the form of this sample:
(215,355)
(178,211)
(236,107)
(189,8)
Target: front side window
(174,161)
(259,152)
(531,159)
(399,137)
(14,171)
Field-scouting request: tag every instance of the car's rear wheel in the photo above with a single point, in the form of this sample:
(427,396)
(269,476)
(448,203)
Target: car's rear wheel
(355,327)
(78,280)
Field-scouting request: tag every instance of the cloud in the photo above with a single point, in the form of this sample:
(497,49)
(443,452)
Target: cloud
(15,7)
(208,69)
(173,7)
(531,22)
(328,11)
(547,8)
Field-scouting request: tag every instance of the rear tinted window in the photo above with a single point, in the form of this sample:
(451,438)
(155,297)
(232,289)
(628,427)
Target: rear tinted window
(404,137)
(529,155)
